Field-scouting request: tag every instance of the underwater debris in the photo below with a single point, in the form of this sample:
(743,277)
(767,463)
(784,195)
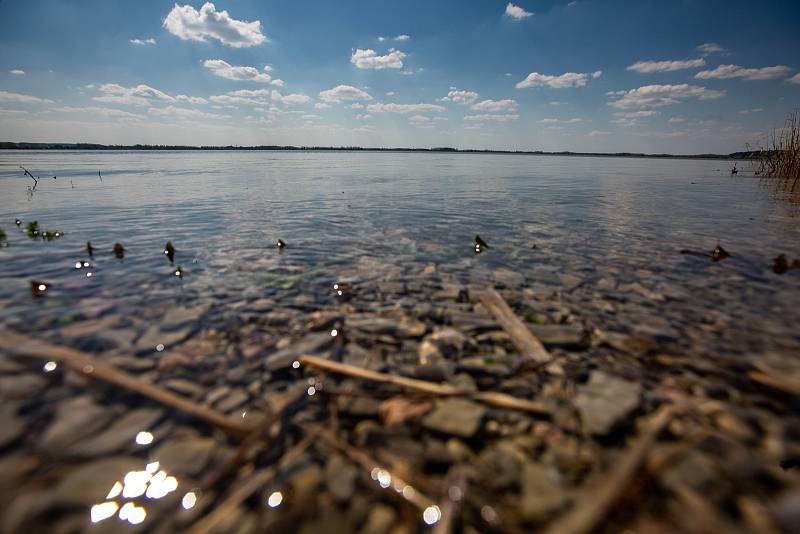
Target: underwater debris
(17,222)
(781,264)
(49,235)
(178,272)
(281,244)
(2,235)
(119,251)
(480,244)
(33,229)
(39,288)
(169,251)
(89,249)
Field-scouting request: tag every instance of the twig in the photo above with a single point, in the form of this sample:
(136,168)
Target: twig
(527,344)
(412,495)
(595,502)
(500,400)
(83,363)
(28,173)
(209,522)
(455,491)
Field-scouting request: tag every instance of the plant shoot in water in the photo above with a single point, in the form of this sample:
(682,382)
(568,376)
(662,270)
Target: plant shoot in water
(119,251)
(169,251)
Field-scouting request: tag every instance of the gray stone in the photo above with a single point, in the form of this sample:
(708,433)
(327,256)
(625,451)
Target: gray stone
(185,455)
(542,494)
(380,520)
(310,344)
(21,386)
(184,387)
(154,336)
(459,417)
(236,398)
(90,483)
(11,426)
(180,316)
(604,400)
(120,434)
(340,477)
(75,419)
(561,335)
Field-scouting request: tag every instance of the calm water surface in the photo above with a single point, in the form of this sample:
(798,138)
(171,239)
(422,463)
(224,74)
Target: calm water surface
(387,215)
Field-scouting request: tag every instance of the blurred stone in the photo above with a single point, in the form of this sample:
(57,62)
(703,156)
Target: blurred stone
(604,400)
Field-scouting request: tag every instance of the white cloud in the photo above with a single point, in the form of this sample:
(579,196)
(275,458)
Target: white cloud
(748,111)
(185,113)
(568,79)
(17,72)
(247,97)
(291,99)
(321,105)
(653,96)
(140,95)
(598,133)
(187,23)
(794,79)
(516,12)
(459,96)
(344,93)
(105,112)
(724,72)
(496,105)
(191,99)
(356,105)
(390,93)
(402,37)
(710,48)
(406,108)
(418,120)
(666,66)
(675,120)
(363,116)
(574,120)
(369,59)
(223,69)
(12,112)
(142,42)
(636,114)
(5,96)
(488,117)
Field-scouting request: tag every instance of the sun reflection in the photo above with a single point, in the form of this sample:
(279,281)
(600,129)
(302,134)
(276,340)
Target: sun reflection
(334,333)
(275,499)
(116,489)
(295,364)
(50,366)
(151,483)
(144,438)
(189,500)
(132,514)
(431,515)
(311,390)
(103,511)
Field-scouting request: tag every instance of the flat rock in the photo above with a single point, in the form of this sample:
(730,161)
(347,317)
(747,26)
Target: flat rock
(232,401)
(561,335)
(459,417)
(121,433)
(185,455)
(310,344)
(542,494)
(21,386)
(380,520)
(604,400)
(179,316)
(89,483)
(154,336)
(184,387)
(340,478)
(75,419)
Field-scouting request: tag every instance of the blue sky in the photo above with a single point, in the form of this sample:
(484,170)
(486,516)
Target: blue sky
(683,76)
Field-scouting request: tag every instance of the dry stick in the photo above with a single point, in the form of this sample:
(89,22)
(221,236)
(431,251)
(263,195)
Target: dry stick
(594,503)
(85,364)
(209,522)
(527,344)
(500,400)
(455,486)
(415,497)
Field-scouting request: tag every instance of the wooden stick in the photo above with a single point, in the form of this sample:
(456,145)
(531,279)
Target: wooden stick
(209,522)
(594,502)
(455,491)
(85,364)
(500,400)
(527,344)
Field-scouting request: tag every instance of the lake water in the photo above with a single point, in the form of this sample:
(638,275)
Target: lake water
(379,261)
(373,216)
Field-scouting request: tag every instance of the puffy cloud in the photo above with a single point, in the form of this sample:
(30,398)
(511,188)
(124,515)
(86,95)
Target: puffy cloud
(637,114)
(105,112)
(191,99)
(459,97)
(574,120)
(794,79)
(356,105)
(142,42)
(487,117)
(676,120)
(247,97)
(418,120)
(5,96)
(189,24)
(666,66)
(140,95)
(185,113)
(344,93)
(568,79)
(653,96)
(710,48)
(496,105)
(724,72)
(516,12)
(369,59)
(363,116)
(321,105)
(223,69)
(402,37)
(406,108)
(17,72)
(290,100)
(598,133)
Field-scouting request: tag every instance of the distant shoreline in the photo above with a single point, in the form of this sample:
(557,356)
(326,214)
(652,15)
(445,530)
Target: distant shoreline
(446,150)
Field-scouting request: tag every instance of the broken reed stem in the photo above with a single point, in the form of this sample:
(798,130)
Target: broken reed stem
(499,400)
(595,502)
(397,485)
(209,522)
(89,366)
(527,344)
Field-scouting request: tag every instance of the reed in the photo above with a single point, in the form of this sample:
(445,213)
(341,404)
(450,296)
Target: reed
(781,158)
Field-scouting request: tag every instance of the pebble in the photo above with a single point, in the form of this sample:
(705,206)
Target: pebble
(340,478)
(121,434)
(542,495)
(89,483)
(458,417)
(604,400)
(75,419)
(185,455)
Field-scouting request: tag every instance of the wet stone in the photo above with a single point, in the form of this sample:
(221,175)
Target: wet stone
(310,344)
(74,420)
(380,520)
(340,478)
(21,386)
(179,316)
(459,417)
(542,495)
(232,401)
(89,483)
(154,336)
(605,400)
(120,434)
(573,336)
(11,426)
(184,387)
(185,455)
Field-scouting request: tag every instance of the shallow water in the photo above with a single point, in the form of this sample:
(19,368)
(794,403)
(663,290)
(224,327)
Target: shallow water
(384,214)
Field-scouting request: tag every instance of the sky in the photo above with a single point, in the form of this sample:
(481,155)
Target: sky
(679,76)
